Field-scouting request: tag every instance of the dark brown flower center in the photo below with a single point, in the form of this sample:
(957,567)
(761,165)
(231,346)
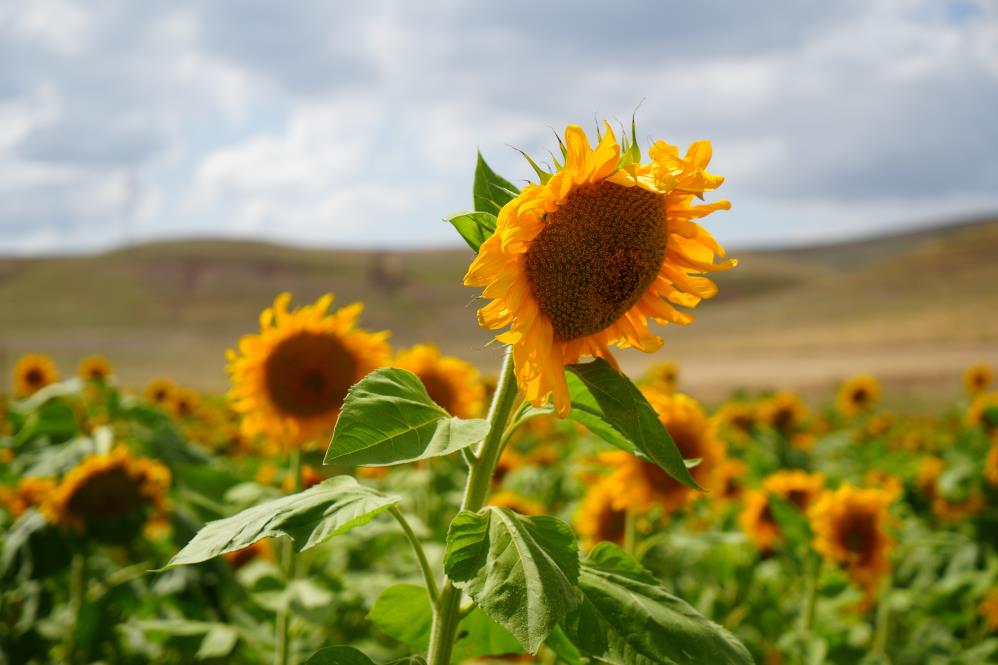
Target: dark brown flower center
(611,524)
(596,257)
(34,377)
(800,498)
(858,535)
(108,493)
(309,374)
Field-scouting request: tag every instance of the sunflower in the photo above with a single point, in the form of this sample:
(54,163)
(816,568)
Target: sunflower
(858,394)
(261,549)
(641,484)
(730,474)
(309,478)
(599,517)
(184,403)
(799,488)
(94,368)
(946,509)
(290,380)
(158,391)
(510,460)
(983,412)
(882,480)
(977,379)
(662,376)
(988,609)
(581,261)
(28,493)
(451,382)
(738,419)
(991,465)
(850,530)
(758,522)
(33,372)
(107,488)
(783,411)
(517,503)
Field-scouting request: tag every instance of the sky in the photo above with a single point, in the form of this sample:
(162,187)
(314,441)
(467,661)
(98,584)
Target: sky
(356,124)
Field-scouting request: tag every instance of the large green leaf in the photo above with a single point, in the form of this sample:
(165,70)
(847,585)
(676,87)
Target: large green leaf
(626,618)
(388,418)
(474,227)
(627,411)
(491,190)
(520,570)
(308,518)
(403,612)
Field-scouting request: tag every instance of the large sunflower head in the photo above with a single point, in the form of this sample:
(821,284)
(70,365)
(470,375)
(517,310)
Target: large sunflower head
(858,394)
(33,372)
(599,517)
(94,368)
(290,380)
(850,530)
(451,382)
(104,490)
(977,379)
(584,259)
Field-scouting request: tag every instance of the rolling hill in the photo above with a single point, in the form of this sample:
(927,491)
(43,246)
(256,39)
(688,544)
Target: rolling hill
(914,308)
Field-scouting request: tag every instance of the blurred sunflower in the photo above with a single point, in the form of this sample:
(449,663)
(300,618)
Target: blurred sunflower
(159,391)
(983,412)
(858,394)
(662,376)
(884,481)
(290,380)
(758,522)
(28,493)
(33,372)
(945,508)
(991,465)
(850,530)
(261,549)
(738,419)
(516,503)
(94,368)
(581,261)
(183,403)
(510,460)
(730,474)
(797,487)
(988,609)
(107,488)
(977,379)
(451,382)
(599,518)
(641,484)
(784,412)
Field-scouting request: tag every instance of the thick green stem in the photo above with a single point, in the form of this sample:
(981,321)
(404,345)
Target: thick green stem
(631,533)
(417,548)
(282,640)
(447,611)
(810,600)
(883,618)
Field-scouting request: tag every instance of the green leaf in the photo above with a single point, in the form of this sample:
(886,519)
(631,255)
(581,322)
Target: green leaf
(403,612)
(562,647)
(491,191)
(520,570)
(388,418)
(218,642)
(309,518)
(474,227)
(351,656)
(627,619)
(627,411)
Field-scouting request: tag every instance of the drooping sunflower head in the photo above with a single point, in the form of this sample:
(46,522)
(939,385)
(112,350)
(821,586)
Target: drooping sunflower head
(851,530)
(33,372)
(290,380)
(451,382)
(104,490)
(858,394)
(159,391)
(783,412)
(94,368)
(977,379)
(799,488)
(662,376)
(582,260)
(599,518)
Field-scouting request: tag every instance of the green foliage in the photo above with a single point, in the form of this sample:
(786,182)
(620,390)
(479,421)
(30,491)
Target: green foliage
(627,618)
(388,418)
(309,518)
(491,191)
(474,227)
(351,656)
(520,570)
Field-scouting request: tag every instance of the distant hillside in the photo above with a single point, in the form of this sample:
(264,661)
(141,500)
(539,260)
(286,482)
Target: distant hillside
(912,306)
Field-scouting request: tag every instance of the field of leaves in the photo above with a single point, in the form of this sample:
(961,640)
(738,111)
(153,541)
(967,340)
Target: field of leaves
(900,567)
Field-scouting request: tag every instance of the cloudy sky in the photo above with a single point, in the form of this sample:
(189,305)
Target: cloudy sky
(357,123)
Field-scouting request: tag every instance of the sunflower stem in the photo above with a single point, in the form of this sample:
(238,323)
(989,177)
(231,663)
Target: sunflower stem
(447,610)
(810,599)
(282,639)
(883,618)
(417,548)
(631,533)
(77,599)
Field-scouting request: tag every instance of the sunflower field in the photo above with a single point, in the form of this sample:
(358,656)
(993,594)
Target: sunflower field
(350,502)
